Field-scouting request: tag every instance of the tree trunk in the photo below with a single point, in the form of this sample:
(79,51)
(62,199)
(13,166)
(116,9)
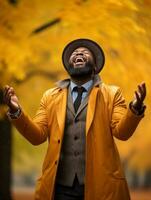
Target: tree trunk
(5,157)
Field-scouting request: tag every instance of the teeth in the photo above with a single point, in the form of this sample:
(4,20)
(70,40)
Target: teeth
(79,60)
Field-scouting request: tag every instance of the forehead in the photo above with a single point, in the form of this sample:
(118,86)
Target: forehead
(82,49)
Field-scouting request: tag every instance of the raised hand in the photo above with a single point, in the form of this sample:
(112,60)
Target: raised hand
(140,95)
(11,99)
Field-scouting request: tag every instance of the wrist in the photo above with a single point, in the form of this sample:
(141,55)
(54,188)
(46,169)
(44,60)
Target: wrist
(138,110)
(14,114)
(13,111)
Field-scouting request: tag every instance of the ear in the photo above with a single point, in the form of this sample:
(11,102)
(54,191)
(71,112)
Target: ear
(95,68)
(93,72)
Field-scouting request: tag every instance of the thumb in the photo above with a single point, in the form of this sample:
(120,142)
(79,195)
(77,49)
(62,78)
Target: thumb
(14,105)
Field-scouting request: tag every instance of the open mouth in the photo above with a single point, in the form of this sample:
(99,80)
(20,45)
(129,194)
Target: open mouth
(79,60)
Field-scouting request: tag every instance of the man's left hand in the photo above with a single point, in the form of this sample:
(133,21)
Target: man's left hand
(140,95)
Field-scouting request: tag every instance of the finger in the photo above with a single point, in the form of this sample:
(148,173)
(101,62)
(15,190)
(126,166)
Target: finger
(10,90)
(7,92)
(143,85)
(142,90)
(137,96)
(14,104)
(7,99)
(6,88)
(8,95)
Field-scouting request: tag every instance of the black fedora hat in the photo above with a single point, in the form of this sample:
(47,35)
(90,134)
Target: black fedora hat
(91,45)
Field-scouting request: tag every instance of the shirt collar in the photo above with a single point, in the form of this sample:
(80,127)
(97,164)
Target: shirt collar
(86,85)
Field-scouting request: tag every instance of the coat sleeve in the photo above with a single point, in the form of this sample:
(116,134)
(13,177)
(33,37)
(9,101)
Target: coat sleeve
(34,130)
(123,120)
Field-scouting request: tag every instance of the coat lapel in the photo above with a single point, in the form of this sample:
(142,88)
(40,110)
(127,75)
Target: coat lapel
(70,102)
(91,108)
(61,103)
(82,106)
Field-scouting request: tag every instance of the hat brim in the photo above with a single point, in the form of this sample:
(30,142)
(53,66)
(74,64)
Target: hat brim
(87,43)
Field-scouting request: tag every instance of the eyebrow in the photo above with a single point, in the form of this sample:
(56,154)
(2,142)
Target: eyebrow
(82,50)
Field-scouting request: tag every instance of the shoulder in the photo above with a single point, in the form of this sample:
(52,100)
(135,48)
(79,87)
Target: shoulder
(110,89)
(60,86)
(111,93)
(52,91)
(50,94)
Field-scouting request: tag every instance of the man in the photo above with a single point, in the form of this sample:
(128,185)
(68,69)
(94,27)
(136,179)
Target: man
(79,118)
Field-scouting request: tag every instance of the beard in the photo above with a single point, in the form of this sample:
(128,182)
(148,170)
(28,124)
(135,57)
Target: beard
(82,72)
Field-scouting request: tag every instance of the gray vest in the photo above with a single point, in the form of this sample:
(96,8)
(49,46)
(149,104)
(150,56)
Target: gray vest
(72,158)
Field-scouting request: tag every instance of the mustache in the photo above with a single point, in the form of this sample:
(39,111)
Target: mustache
(80,58)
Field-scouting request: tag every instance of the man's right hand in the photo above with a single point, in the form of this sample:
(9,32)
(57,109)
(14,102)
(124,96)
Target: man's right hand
(11,99)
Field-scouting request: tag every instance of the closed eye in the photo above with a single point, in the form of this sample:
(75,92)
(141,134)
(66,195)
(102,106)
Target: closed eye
(75,52)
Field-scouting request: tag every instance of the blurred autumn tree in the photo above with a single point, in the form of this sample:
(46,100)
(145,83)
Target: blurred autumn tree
(33,34)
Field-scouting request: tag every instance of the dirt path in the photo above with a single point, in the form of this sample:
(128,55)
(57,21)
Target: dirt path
(28,195)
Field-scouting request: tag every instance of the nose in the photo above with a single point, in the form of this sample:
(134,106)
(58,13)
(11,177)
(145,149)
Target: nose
(79,54)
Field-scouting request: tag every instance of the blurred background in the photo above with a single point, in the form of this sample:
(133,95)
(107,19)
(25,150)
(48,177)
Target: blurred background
(32,36)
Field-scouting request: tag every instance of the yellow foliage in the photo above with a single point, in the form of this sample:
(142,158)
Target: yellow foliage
(121,27)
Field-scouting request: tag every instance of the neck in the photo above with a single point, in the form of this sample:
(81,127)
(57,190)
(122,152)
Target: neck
(81,81)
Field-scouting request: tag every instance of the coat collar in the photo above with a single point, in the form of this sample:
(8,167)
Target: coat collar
(66,82)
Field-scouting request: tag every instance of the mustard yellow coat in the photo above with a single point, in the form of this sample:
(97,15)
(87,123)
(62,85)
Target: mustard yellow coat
(107,116)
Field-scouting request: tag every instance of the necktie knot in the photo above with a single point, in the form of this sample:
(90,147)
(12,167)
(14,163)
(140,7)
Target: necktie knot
(79,90)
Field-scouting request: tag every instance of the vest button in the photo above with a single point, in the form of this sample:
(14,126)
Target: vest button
(58,141)
(76,153)
(75,137)
(76,120)
(56,162)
